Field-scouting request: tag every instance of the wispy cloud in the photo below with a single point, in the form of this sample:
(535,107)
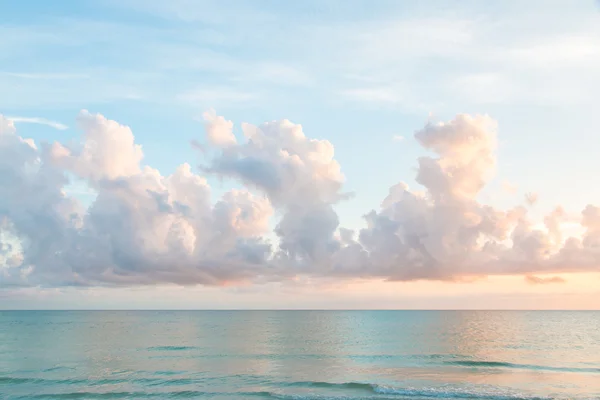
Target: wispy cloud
(207,12)
(47,76)
(274,73)
(391,96)
(372,95)
(40,121)
(536,280)
(397,138)
(217,96)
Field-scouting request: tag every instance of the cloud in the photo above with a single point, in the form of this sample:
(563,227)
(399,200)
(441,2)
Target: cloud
(219,131)
(458,59)
(383,95)
(142,228)
(220,95)
(108,150)
(447,234)
(45,76)
(274,73)
(397,138)
(40,121)
(146,228)
(536,280)
(299,176)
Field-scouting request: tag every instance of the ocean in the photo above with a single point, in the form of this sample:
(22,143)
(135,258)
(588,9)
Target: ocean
(492,355)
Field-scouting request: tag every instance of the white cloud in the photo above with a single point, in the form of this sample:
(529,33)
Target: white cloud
(141,228)
(107,152)
(39,121)
(274,73)
(45,76)
(219,131)
(473,57)
(301,178)
(222,95)
(372,95)
(432,59)
(146,228)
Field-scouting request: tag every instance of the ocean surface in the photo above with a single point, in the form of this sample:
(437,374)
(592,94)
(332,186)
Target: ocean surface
(493,355)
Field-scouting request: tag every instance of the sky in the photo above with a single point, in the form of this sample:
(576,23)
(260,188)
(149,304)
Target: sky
(314,154)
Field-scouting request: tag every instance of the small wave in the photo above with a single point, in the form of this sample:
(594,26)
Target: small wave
(149,382)
(169,382)
(9,380)
(82,395)
(430,393)
(168,373)
(184,394)
(172,348)
(346,385)
(500,364)
(59,368)
(450,393)
(106,381)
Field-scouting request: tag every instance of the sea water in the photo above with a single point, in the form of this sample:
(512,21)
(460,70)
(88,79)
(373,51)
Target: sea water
(493,355)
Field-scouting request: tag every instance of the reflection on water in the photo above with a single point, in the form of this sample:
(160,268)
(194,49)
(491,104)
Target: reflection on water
(274,354)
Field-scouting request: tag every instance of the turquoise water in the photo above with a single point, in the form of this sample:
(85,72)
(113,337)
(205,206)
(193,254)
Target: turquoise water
(299,355)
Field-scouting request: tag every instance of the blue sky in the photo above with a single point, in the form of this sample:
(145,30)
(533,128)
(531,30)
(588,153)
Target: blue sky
(355,73)
(360,74)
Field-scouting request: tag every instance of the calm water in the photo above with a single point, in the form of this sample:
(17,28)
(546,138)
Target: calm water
(300,355)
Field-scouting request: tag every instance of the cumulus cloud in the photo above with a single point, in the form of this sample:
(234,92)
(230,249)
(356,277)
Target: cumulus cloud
(298,175)
(144,227)
(446,233)
(219,131)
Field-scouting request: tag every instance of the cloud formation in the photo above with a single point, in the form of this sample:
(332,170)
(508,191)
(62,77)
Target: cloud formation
(147,228)
(536,280)
(40,121)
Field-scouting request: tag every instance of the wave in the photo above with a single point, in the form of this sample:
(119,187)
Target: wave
(500,364)
(450,393)
(358,390)
(392,394)
(184,394)
(172,348)
(168,382)
(9,380)
(408,392)
(346,385)
(59,368)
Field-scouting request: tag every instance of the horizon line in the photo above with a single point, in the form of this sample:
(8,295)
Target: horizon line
(300,309)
